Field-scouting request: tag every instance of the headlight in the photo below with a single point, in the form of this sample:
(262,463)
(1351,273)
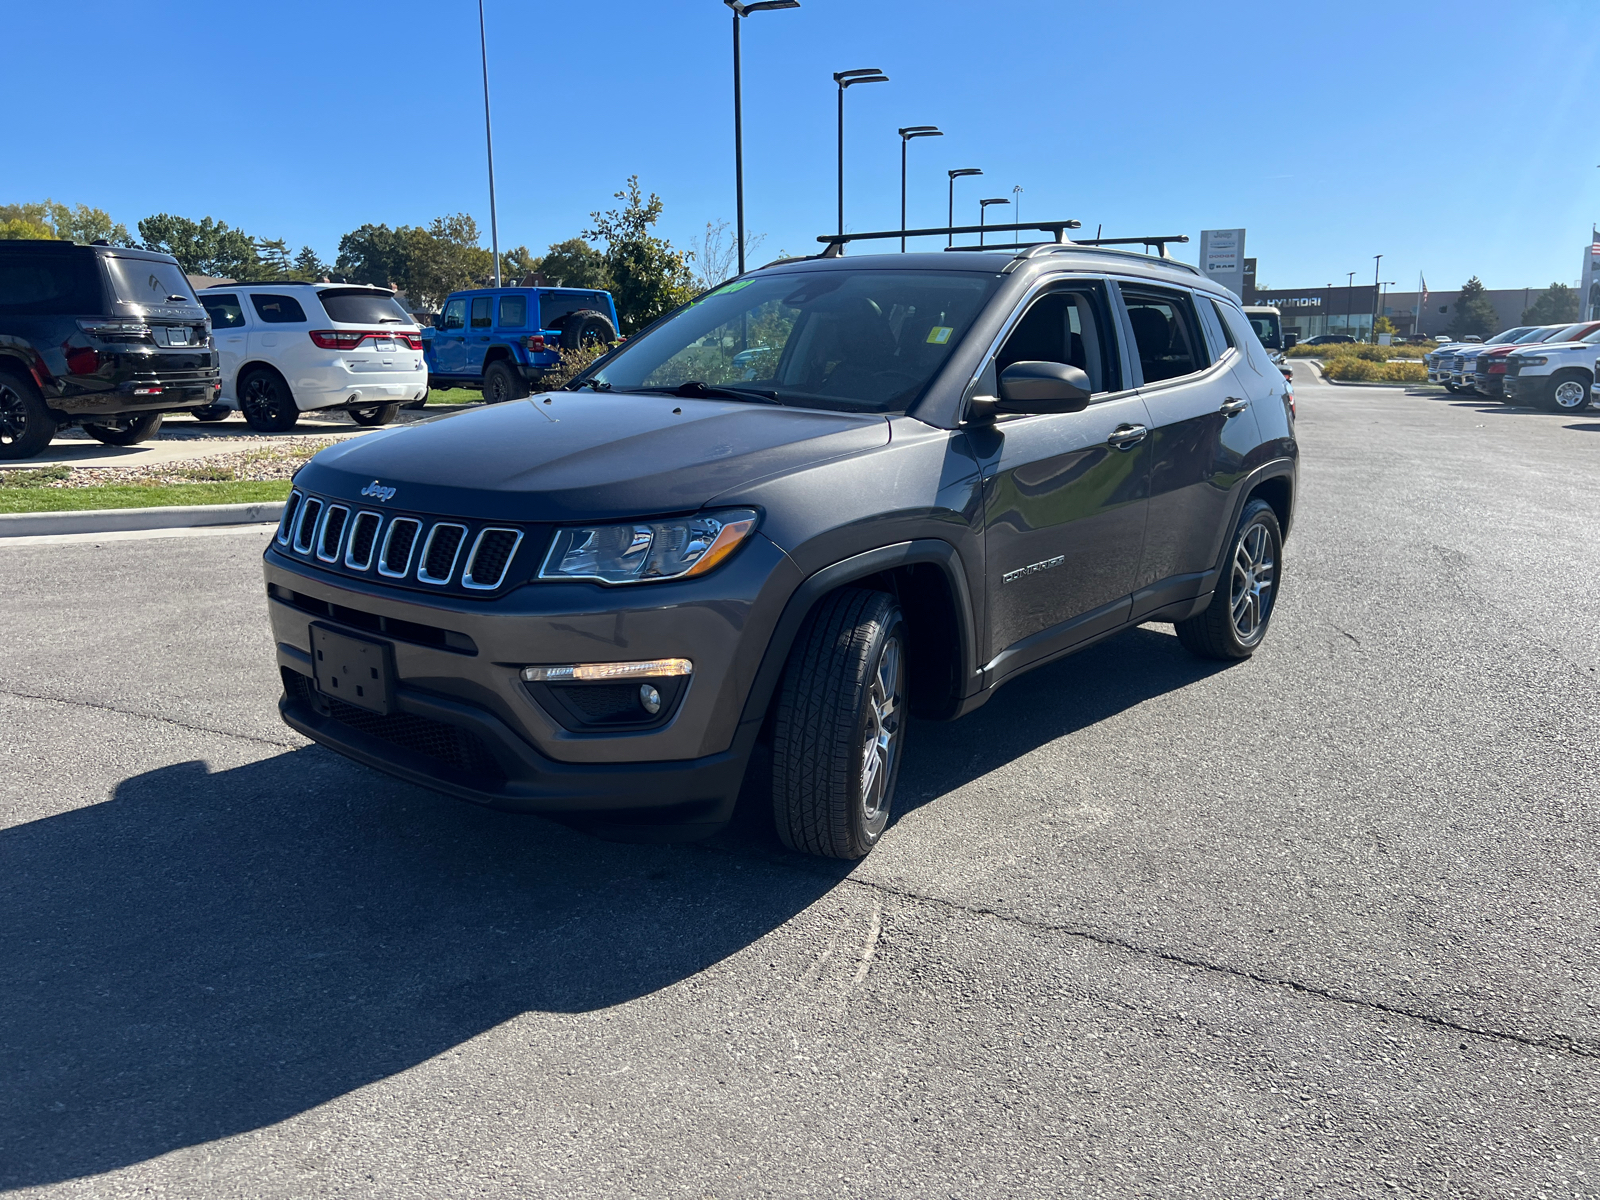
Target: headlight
(1531,362)
(647,551)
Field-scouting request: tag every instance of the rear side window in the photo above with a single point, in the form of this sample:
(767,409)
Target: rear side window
(225,311)
(482,312)
(1165,333)
(1068,327)
(148,281)
(362,306)
(49,285)
(278,310)
(513,312)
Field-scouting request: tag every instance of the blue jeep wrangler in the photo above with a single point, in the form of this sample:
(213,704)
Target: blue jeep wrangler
(502,340)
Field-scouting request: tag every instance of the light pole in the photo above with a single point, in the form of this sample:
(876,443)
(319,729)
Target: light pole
(488,137)
(906,134)
(1349,298)
(741,9)
(1376,260)
(1016,207)
(983,213)
(846,79)
(950,239)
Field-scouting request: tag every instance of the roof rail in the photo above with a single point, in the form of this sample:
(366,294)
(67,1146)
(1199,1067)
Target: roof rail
(835,242)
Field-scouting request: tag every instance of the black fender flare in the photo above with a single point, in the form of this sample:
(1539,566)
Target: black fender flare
(934,551)
(1277,469)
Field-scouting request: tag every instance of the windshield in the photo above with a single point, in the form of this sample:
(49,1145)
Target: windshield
(1571,333)
(860,341)
(1538,334)
(149,281)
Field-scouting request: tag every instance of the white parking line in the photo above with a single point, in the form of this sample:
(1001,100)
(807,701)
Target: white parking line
(136,535)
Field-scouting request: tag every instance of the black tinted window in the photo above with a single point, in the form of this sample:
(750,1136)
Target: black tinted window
(1066,327)
(44,284)
(482,312)
(148,281)
(278,310)
(454,315)
(359,306)
(513,312)
(225,311)
(1166,334)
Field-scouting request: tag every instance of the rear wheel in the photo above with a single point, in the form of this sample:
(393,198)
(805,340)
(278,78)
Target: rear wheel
(127,430)
(26,425)
(501,383)
(374,414)
(585,330)
(1450,387)
(1567,391)
(211,412)
(1235,622)
(419,403)
(266,402)
(839,725)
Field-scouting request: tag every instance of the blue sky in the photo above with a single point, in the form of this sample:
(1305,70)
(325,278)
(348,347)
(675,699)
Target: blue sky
(1454,138)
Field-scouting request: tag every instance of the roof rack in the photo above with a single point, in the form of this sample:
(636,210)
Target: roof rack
(835,242)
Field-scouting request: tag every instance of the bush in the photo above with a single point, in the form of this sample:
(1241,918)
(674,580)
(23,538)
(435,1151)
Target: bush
(1352,368)
(1359,350)
(572,362)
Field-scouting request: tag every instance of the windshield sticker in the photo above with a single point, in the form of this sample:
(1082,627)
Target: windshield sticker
(939,335)
(733,287)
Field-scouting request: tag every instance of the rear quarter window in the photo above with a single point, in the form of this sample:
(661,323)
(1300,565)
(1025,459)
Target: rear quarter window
(49,285)
(278,310)
(225,311)
(361,306)
(513,312)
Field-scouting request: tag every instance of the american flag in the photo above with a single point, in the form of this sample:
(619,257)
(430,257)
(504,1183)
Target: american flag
(1425,287)
(1594,249)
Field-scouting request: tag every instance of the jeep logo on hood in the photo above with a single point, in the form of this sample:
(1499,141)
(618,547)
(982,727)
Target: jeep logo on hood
(378,491)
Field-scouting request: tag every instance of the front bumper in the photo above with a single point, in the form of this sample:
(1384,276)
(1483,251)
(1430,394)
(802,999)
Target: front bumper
(1523,387)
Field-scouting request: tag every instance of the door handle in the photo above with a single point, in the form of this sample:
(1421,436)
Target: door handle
(1126,437)
(1234,406)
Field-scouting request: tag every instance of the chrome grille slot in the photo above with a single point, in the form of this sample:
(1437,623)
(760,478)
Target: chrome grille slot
(395,559)
(363,540)
(332,532)
(291,506)
(440,553)
(306,531)
(490,558)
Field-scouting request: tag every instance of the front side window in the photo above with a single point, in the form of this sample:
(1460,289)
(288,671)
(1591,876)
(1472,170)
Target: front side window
(49,284)
(482,312)
(455,315)
(1068,327)
(1165,333)
(513,312)
(225,311)
(854,340)
(278,310)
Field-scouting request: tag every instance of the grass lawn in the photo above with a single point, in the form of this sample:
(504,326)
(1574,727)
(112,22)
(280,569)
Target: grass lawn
(455,396)
(49,499)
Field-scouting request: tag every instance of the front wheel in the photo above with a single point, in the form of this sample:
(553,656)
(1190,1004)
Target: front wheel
(1452,388)
(501,383)
(26,425)
(375,414)
(839,725)
(1568,392)
(1235,622)
(128,430)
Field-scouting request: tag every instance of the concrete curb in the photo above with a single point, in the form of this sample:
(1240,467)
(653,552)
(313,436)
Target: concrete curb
(116,520)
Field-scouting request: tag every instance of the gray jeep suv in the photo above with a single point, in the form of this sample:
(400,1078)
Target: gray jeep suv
(820,497)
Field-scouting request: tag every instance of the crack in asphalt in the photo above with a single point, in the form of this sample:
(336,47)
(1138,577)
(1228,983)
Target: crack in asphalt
(144,716)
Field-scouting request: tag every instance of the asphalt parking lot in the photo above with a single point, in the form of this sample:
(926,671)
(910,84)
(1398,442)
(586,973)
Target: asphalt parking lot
(1322,923)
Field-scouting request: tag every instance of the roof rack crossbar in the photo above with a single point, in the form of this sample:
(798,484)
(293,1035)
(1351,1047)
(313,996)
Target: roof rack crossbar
(1057,229)
(1158,241)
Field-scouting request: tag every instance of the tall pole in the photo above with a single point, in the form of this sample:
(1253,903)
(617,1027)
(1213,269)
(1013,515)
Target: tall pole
(1016,207)
(1349,298)
(950,239)
(488,137)
(841,157)
(1376,260)
(738,148)
(904,142)
(845,79)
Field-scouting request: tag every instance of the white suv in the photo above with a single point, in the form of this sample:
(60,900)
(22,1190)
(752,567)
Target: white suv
(288,348)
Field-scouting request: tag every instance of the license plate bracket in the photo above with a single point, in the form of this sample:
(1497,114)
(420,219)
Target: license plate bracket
(352,669)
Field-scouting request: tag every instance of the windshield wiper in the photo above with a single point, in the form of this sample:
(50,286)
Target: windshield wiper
(699,389)
(599,385)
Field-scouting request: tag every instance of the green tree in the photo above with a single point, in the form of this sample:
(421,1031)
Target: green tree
(427,264)
(205,247)
(1383,325)
(24,229)
(272,258)
(574,263)
(515,264)
(1474,314)
(80,224)
(308,266)
(374,254)
(648,276)
(1556,305)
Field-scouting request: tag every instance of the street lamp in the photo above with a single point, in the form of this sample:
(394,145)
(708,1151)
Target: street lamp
(1016,208)
(1349,298)
(1376,259)
(741,9)
(847,79)
(488,137)
(955,175)
(983,213)
(906,134)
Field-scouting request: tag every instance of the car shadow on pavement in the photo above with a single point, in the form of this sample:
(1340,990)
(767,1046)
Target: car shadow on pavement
(206,954)
(1585,426)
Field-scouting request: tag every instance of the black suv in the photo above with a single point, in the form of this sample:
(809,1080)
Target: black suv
(99,336)
(823,496)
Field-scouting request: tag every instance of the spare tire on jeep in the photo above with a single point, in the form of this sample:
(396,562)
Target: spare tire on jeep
(586,328)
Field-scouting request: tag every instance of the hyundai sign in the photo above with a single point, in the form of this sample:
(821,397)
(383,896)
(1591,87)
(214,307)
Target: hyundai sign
(1222,258)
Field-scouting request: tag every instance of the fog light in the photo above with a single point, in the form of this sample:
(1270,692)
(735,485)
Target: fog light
(650,699)
(655,668)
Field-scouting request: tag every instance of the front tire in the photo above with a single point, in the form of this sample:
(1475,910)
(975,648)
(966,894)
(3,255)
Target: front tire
(1234,624)
(266,402)
(375,414)
(501,383)
(1567,392)
(839,726)
(26,425)
(125,431)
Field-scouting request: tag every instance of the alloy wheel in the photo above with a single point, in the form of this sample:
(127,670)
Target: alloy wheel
(1251,590)
(13,415)
(881,729)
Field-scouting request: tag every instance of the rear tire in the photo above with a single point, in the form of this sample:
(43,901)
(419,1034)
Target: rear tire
(1567,392)
(1452,388)
(26,425)
(422,403)
(125,431)
(211,412)
(266,402)
(1234,624)
(839,726)
(501,383)
(585,329)
(375,414)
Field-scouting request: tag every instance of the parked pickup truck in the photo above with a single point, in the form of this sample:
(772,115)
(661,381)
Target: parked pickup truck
(502,340)
(1556,375)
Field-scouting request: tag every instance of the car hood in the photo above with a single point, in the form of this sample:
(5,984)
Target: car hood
(583,455)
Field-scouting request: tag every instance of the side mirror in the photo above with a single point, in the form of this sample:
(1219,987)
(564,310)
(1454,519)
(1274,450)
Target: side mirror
(1043,387)
(1291,340)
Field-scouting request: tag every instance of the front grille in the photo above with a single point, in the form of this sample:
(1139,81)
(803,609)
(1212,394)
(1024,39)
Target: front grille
(491,555)
(602,701)
(291,506)
(459,749)
(363,538)
(397,547)
(332,533)
(394,627)
(306,530)
(439,555)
